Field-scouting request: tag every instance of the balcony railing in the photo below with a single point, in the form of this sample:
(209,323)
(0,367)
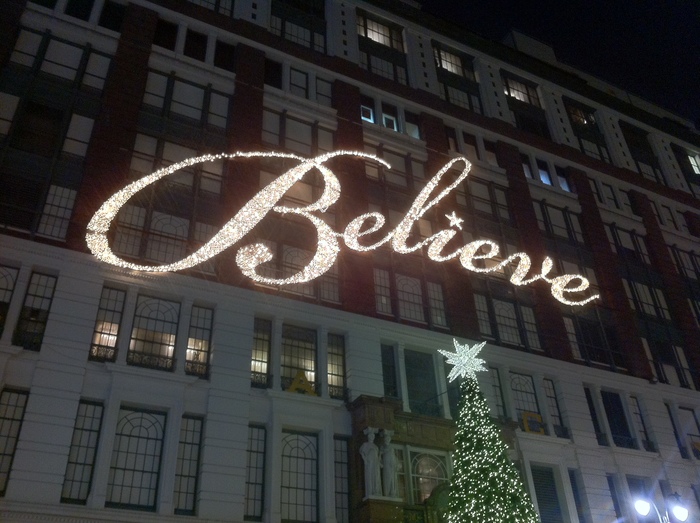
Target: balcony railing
(150,361)
(260,380)
(102,353)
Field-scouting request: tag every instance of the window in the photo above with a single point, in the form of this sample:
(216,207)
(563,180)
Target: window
(367,109)
(457,79)
(336,366)
(546,493)
(525,106)
(612,487)
(153,336)
(643,155)
(410,298)
(636,411)
(191,103)
(525,403)
(112,16)
(629,245)
(558,221)
(390,117)
(593,411)
(195,45)
(80,9)
(582,511)
(690,429)
(508,322)
(646,299)
(411,302)
(405,171)
(522,91)
(617,420)
(590,137)
(187,465)
(592,341)
(8,279)
(299,496)
(225,56)
(134,471)
(298,356)
(109,317)
(553,408)
(262,342)
(427,472)
(342,480)
(288,260)
(668,362)
(485,198)
(38,129)
(543,172)
(381,48)
(303,137)
(390,372)
(298,83)
(12,405)
(300,21)
(165,35)
(57,211)
(689,162)
(29,332)
(83,449)
(437,304)
(382,291)
(422,391)
(199,342)
(500,405)
(224,7)
(8,106)
(255,473)
(687,263)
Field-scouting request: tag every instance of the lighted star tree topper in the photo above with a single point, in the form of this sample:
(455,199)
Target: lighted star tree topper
(485,486)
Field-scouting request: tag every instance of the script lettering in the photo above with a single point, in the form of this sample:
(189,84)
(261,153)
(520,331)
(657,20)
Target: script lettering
(250,257)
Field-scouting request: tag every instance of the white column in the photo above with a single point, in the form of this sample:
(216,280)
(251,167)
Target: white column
(183,328)
(171,441)
(326,489)
(275,366)
(401,368)
(124,337)
(322,362)
(103,458)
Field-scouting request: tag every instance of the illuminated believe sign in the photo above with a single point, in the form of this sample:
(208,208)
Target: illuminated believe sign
(249,257)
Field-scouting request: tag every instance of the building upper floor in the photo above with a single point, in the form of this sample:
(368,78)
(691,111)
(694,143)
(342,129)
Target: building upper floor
(91,102)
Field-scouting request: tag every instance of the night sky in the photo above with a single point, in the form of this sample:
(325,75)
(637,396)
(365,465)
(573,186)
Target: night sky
(648,47)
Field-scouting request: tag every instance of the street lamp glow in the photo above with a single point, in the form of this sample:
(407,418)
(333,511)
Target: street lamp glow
(642,507)
(680,512)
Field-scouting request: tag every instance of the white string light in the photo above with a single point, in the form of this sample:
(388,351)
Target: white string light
(250,257)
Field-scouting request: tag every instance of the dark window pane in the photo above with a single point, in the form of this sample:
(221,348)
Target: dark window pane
(38,130)
(79,8)
(165,35)
(273,74)
(196,45)
(224,56)
(46,3)
(112,16)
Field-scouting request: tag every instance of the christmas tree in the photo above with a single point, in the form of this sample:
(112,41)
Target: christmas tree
(485,486)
